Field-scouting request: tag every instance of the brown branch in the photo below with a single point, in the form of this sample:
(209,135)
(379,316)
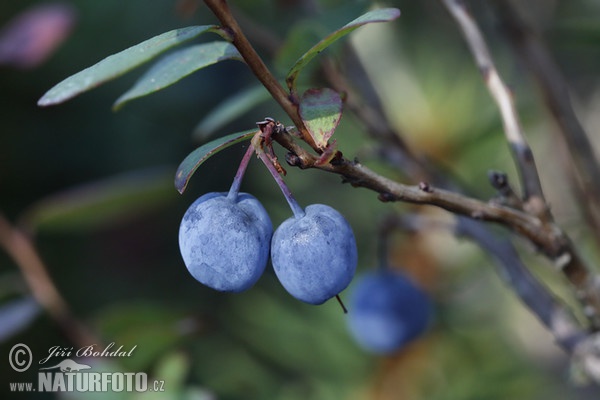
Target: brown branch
(580,345)
(556,96)
(546,236)
(532,188)
(566,259)
(374,120)
(258,67)
(22,251)
(553,314)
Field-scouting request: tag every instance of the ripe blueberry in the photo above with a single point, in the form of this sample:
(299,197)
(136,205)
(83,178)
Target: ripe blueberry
(314,255)
(224,241)
(386,311)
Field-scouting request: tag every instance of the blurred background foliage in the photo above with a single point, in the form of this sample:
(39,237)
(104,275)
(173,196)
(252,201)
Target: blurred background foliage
(94,188)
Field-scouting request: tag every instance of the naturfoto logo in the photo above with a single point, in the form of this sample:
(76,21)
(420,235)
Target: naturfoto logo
(68,366)
(60,374)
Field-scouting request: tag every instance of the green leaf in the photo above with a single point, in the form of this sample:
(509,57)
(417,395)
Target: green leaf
(231,108)
(177,66)
(118,64)
(101,204)
(380,15)
(191,163)
(321,110)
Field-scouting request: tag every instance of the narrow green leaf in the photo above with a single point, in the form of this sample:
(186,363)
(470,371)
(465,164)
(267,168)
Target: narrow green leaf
(321,110)
(230,109)
(177,66)
(118,64)
(101,204)
(191,163)
(380,15)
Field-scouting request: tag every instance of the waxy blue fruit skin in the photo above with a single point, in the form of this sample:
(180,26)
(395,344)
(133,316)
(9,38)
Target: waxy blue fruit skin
(386,311)
(225,243)
(314,257)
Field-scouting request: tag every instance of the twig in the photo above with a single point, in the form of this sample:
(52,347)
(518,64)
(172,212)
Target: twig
(546,236)
(532,189)
(389,190)
(258,67)
(21,250)
(534,202)
(556,96)
(555,316)
(378,128)
(499,180)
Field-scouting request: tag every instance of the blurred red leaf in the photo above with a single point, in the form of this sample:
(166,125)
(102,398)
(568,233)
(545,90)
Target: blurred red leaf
(30,37)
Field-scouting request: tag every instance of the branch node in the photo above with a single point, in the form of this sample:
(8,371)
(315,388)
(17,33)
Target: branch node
(424,186)
(293,160)
(386,197)
(499,180)
(338,159)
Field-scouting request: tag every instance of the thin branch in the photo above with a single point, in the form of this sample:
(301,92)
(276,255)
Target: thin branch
(556,96)
(258,67)
(22,251)
(546,237)
(376,126)
(499,180)
(532,188)
(553,314)
(534,202)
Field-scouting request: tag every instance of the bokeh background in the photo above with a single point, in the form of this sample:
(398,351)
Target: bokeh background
(94,190)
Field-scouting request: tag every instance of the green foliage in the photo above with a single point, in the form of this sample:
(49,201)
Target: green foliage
(177,66)
(379,15)
(189,165)
(120,63)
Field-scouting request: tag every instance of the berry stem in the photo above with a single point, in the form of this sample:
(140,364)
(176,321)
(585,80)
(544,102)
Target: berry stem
(296,209)
(339,299)
(239,175)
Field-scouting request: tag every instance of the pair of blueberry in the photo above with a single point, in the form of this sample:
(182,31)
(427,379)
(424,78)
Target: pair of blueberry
(226,238)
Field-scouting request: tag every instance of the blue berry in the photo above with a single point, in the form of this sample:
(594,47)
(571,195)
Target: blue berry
(387,311)
(224,242)
(314,256)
